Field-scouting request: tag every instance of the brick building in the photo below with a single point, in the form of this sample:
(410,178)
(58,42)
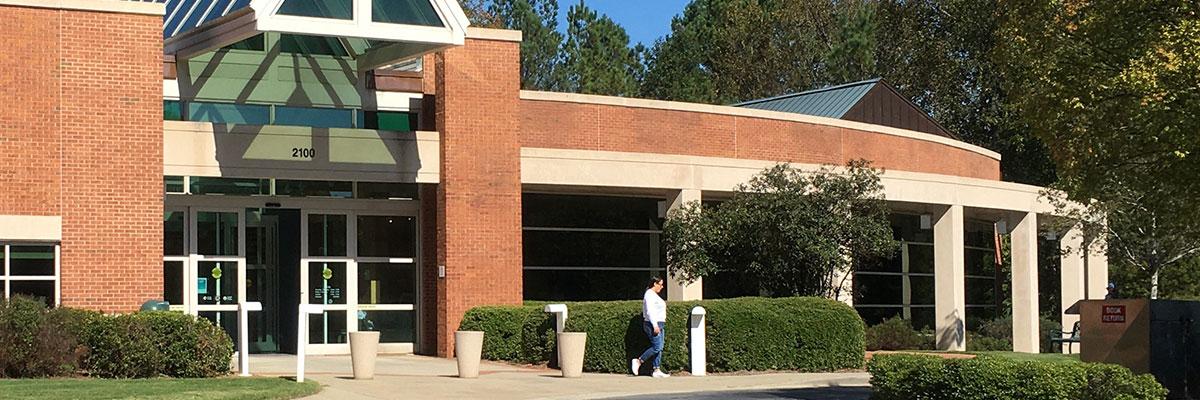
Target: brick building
(382,162)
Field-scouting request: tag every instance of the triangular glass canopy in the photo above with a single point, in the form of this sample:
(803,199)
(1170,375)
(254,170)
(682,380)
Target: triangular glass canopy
(395,29)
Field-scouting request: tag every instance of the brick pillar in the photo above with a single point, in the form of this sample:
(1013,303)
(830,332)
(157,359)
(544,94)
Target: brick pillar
(479,198)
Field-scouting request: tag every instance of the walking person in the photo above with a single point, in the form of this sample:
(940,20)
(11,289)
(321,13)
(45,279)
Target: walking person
(654,323)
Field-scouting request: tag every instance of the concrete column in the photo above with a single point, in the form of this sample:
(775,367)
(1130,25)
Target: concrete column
(1072,278)
(677,290)
(950,300)
(1095,269)
(1025,284)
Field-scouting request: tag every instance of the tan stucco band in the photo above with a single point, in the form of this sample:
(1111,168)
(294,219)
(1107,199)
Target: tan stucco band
(506,35)
(751,113)
(541,166)
(31,227)
(115,6)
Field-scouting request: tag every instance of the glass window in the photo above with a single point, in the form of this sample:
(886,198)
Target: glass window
(256,43)
(408,12)
(393,326)
(172,110)
(173,282)
(314,117)
(327,283)
(318,45)
(314,188)
(173,184)
(230,186)
(584,285)
(224,113)
(592,249)
(387,190)
(42,290)
(31,261)
(391,121)
(216,282)
(382,283)
(387,236)
(878,289)
(173,228)
(566,211)
(217,233)
(327,327)
(327,235)
(335,9)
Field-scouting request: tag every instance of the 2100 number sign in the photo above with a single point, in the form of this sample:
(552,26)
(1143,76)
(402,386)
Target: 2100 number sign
(303,153)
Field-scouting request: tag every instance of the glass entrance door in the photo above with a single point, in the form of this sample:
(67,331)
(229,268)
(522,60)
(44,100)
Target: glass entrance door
(217,264)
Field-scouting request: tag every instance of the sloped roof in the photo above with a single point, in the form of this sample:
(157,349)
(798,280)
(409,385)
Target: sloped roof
(832,102)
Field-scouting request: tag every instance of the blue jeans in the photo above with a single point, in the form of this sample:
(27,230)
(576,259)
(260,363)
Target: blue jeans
(656,343)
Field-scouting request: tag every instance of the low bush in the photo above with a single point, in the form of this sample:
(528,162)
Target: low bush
(40,342)
(154,343)
(804,334)
(901,376)
(896,334)
(996,334)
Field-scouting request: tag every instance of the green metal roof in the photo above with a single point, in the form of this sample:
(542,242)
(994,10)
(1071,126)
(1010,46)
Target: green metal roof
(832,102)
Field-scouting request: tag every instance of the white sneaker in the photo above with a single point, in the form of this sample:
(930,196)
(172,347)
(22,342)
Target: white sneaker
(660,374)
(635,365)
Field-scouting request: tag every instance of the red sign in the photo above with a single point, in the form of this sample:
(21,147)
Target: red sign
(1113,314)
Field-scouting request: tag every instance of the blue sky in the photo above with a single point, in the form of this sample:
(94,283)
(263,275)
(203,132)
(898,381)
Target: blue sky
(644,20)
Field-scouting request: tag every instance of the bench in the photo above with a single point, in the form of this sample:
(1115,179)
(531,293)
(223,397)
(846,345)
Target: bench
(1065,338)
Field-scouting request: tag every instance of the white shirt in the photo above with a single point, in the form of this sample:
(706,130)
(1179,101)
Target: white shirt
(654,309)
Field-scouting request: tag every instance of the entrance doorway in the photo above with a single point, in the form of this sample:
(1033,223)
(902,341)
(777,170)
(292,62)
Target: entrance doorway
(355,259)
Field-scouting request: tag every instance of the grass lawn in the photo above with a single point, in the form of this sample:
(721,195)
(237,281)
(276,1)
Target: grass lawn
(164,388)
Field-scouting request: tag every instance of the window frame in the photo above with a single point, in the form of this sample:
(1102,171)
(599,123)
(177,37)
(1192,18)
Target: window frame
(7,278)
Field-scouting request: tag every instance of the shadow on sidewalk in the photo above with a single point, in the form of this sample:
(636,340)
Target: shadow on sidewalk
(825,393)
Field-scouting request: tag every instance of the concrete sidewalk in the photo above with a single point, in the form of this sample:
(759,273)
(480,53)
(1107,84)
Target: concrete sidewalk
(419,377)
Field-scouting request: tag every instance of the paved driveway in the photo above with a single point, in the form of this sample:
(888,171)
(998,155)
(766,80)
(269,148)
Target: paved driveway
(829,393)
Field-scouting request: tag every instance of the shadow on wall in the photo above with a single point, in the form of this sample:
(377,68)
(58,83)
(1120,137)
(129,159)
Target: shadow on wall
(316,153)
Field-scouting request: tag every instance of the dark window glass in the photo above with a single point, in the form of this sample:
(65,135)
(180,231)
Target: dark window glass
(387,236)
(224,113)
(725,284)
(878,289)
(566,211)
(217,233)
(980,291)
(408,12)
(923,317)
(226,320)
(314,117)
(230,186)
(216,282)
(922,289)
(314,188)
(31,260)
(592,249)
(173,184)
(586,285)
(42,290)
(172,110)
(873,315)
(318,45)
(920,258)
(387,190)
(327,283)
(173,228)
(173,282)
(327,235)
(336,9)
(381,283)
(393,326)
(256,43)
(327,327)
(391,121)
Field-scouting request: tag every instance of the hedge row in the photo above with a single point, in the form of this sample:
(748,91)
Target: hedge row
(38,342)
(745,334)
(902,377)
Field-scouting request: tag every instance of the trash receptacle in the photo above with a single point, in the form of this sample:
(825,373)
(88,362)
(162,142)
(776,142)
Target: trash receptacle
(155,305)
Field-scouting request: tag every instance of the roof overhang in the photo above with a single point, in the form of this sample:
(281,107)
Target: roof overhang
(232,24)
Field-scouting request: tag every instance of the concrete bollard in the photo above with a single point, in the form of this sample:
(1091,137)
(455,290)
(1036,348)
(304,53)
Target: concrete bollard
(571,347)
(364,347)
(697,346)
(468,349)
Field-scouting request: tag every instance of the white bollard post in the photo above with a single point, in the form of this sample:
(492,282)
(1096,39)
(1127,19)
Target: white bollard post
(697,345)
(560,315)
(244,310)
(302,337)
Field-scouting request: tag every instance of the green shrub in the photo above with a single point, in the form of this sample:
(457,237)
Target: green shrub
(996,334)
(896,334)
(900,376)
(149,344)
(37,342)
(805,334)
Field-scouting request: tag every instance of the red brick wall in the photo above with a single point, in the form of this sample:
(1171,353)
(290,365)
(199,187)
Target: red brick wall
(567,125)
(479,198)
(81,137)
(429,279)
